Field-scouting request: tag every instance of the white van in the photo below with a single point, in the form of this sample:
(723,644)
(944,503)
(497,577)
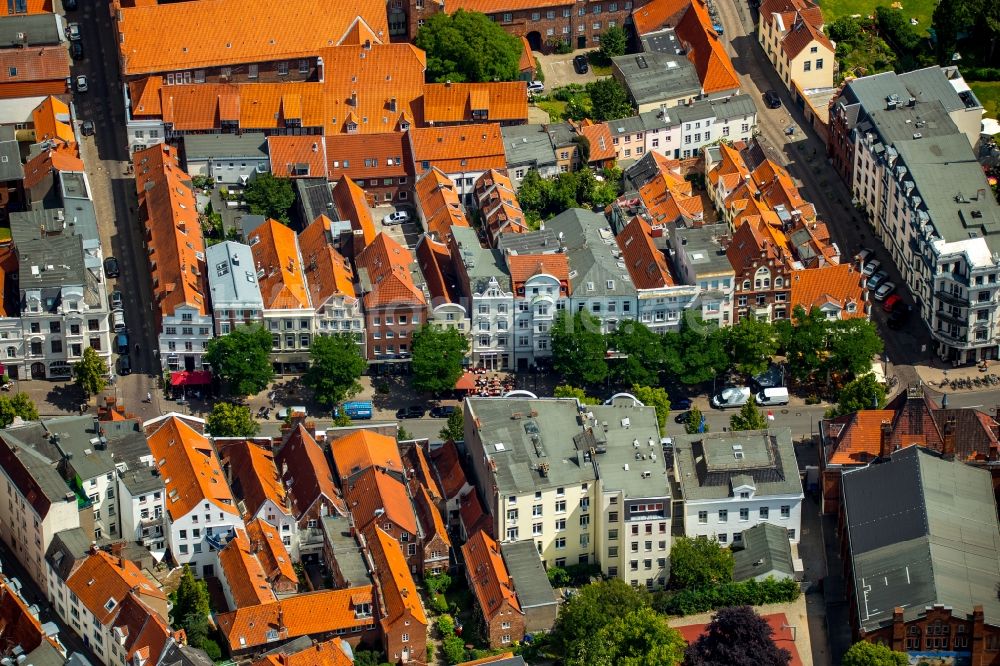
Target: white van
(771,397)
(736,396)
(118,320)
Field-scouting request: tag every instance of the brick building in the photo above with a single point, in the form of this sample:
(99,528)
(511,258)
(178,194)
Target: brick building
(503,619)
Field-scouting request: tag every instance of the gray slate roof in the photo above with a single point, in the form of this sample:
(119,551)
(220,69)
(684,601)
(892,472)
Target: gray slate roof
(232,278)
(10,155)
(74,435)
(594,258)
(703,249)
(219,146)
(527,145)
(315,198)
(346,550)
(66,549)
(38,30)
(922,531)
(650,77)
(766,551)
(525,568)
(707,463)
(481,264)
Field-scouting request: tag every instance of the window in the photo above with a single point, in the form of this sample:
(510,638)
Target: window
(561,506)
(282,68)
(786,511)
(511,534)
(252,71)
(703,517)
(764,512)
(507,17)
(561,524)
(561,543)
(744,514)
(613,535)
(511,514)
(723,515)
(807,66)
(723,538)
(536,529)
(819,63)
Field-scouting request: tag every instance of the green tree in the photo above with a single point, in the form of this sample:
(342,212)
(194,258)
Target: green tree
(567,391)
(242,359)
(979,23)
(437,355)
(453,647)
(853,343)
(639,638)
(609,99)
(864,653)
(18,405)
(454,429)
(865,392)
(229,420)
(656,397)
(191,607)
(590,609)
(468,46)
(748,418)
(613,42)
(699,561)
(697,353)
(335,364)
(896,29)
(693,424)
(89,372)
(751,343)
(402,434)
(806,347)
(578,348)
(641,354)
(844,29)
(271,197)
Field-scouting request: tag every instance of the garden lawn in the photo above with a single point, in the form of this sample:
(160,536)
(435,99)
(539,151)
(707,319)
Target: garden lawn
(922,10)
(554,108)
(988,93)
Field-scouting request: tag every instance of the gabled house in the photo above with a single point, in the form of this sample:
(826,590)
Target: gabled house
(233,286)
(448,307)
(257,487)
(363,449)
(541,286)
(705,49)
(329,653)
(493,588)
(838,291)
(21,632)
(374,497)
(496,199)
(791,34)
(352,205)
(438,204)
(450,103)
(273,555)
(451,478)
(241,575)
(463,153)
(763,269)
(380,164)
(402,618)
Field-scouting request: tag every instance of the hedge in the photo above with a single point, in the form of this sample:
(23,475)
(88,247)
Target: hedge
(746,593)
(980,73)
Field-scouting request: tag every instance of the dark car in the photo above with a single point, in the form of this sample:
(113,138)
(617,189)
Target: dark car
(772,99)
(411,412)
(111,267)
(442,412)
(682,417)
(88,128)
(580,64)
(69,5)
(124,365)
(680,402)
(900,315)
(121,341)
(76,50)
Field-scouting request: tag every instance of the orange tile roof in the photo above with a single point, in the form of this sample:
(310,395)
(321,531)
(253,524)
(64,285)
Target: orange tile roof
(455,102)
(524,266)
(602,145)
(189,467)
(491,582)
(646,264)
(430,509)
(36,63)
(434,259)
(361,449)
(657,14)
(374,495)
(449,469)
(304,470)
(168,208)
(330,653)
(252,470)
(63,158)
(52,121)
(38,7)
(308,614)
(157,38)
(492,6)
(400,597)
(387,263)
(351,204)
(439,203)
(346,155)
(328,273)
(247,582)
(289,152)
(731,169)
(861,438)
(146,633)
(276,251)
(488,660)
(460,148)
(527,62)
(706,51)
(498,203)
(201,106)
(801,35)
(273,105)
(103,581)
(669,198)
(420,466)
(144,94)
(271,552)
(840,284)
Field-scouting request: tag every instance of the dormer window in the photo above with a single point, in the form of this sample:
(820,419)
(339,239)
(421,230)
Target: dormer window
(362,610)
(351,128)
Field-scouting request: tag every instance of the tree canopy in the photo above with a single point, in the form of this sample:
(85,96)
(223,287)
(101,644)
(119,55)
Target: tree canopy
(590,609)
(748,418)
(567,391)
(864,653)
(696,353)
(640,637)
(89,372)
(865,392)
(578,348)
(609,99)
(613,42)
(436,359)
(699,561)
(977,21)
(270,196)
(751,343)
(468,46)
(242,359)
(229,420)
(544,198)
(17,405)
(335,364)
(191,608)
(694,424)
(656,397)
(640,354)
(454,428)
(737,637)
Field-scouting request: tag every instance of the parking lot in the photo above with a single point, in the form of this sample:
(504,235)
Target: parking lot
(558,70)
(406,234)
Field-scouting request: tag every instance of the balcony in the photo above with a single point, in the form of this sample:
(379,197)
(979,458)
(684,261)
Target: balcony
(952,299)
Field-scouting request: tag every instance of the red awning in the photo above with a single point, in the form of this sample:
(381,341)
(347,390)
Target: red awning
(190,378)
(467,382)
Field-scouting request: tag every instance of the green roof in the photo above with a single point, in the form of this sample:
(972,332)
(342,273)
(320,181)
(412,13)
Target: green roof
(766,551)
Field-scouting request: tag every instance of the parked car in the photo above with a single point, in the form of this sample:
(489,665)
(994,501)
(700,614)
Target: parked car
(121,342)
(398,217)
(73,31)
(889,305)
(876,280)
(124,365)
(87,128)
(111,267)
(680,402)
(735,396)
(864,255)
(81,84)
(682,417)
(69,5)
(76,50)
(581,64)
(411,412)
(535,87)
(294,410)
(871,267)
(442,412)
(884,290)
(900,315)
(116,300)
(772,100)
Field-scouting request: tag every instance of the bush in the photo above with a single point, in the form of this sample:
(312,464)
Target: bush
(746,593)
(437,583)
(212,649)
(439,604)
(563,48)
(445,626)
(558,577)
(453,649)
(812,399)
(981,73)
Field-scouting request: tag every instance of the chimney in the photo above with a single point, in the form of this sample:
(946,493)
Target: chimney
(392,104)
(948,445)
(320,69)
(354,99)
(885,441)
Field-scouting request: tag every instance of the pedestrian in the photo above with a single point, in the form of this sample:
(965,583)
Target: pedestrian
(149,397)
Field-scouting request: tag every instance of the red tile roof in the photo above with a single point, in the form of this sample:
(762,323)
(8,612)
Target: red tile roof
(276,251)
(455,102)
(439,203)
(17,625)
(312,613)
(297,156)
(244,575)
(146,633)
(858,436)
(400,598)
(646,264)
(328,273)
(388,268)
(524,266)
(361,449)
(330,653)
(189,467)
(658,14)
(304,471)
(802,34)
(472,515)
(36,63)
(417,460)
(784,636)
(271,552)
(498,203)
(253,473)
(375,496)
(705,50)
(491,582)
(63,158)
(103,581)
(449,469)
(352,205)
(435,262)
(144,94)
(430,516)
(492,7)
(840,285)
(459,149)
(387,155)
(602,144)
(167,37)
(177,249)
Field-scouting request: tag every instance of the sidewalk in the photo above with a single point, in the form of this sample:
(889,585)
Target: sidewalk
(936,372)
